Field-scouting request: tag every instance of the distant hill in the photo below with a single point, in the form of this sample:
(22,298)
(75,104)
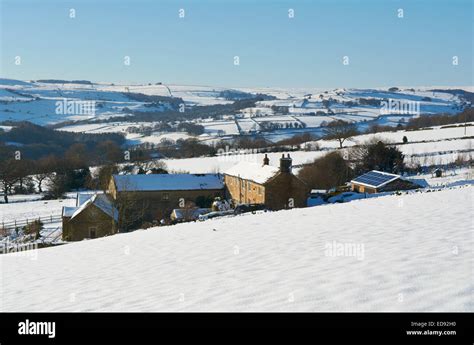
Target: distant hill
(60,81)
(5,81)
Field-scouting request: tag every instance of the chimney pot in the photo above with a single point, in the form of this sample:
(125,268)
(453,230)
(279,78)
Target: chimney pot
(285,164)
(266,160)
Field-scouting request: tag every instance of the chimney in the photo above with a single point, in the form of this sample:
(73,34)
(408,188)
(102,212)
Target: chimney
(266,160)
(285,164)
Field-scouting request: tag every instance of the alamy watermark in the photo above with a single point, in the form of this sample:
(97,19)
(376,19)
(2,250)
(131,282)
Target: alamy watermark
(335,249)
(229,154)
(74,107)
(28,250)
(397,106)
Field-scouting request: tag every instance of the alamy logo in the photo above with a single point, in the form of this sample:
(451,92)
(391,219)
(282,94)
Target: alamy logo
(72,107)
(236,155)
(37,328)
(336,249)
(402,107)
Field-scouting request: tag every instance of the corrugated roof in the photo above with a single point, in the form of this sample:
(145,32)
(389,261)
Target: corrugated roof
(164,182)
(254,172)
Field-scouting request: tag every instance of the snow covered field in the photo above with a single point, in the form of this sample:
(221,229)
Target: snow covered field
(220,164)
(431,134)
(37,102)
(434,145)
(343,257)
(33,209)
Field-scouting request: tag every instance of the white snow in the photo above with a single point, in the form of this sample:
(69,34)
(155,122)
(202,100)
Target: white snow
(33,209)
(228,159)
(429,134)
(343,257)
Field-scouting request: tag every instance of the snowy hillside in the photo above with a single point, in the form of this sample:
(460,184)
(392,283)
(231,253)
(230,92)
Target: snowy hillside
(308,108)
(343,257)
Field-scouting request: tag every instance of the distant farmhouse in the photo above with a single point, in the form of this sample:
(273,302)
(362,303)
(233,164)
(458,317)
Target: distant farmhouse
(94,216)
(277,188)
(153,197)
(378,181)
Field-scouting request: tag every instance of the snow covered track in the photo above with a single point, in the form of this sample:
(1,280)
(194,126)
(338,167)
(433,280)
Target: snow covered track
(396,253)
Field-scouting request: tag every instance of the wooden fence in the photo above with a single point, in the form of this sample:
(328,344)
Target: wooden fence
(19,223)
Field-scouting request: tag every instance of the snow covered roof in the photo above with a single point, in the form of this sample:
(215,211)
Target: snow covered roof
(81,198)
(102,202)
(69,211)
(419,181)
(375,179)
(159,182)
(252,171)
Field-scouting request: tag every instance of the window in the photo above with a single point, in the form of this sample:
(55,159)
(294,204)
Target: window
(166,196)
(92,232)
(260,190)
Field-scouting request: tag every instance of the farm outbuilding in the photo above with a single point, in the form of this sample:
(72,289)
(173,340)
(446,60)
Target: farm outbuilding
(378,181)
(438,172)
(95,216)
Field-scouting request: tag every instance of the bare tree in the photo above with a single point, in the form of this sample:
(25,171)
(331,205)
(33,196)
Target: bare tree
(9,176)
(340,130)
(44,171)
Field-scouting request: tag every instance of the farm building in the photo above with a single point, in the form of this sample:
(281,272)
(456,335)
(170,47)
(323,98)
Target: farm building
(153,197)
(377,181)
(94,216)
(438,172)
(275,187)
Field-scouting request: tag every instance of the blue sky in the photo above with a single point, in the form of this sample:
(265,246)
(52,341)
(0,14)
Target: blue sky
(274,50)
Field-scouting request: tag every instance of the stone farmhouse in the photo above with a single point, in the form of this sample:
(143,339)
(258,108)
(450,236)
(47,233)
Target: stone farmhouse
(276,187)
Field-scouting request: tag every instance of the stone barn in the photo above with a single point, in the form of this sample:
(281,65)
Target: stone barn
(94,216)
(151,198)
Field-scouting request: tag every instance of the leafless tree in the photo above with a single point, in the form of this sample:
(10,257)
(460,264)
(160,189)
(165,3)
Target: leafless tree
(44,171)
(10,174)
(340,130)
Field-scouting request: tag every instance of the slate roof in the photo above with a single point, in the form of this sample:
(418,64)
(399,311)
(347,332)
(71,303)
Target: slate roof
(168,182)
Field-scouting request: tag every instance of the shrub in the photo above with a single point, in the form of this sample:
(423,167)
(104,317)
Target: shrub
(33,228)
